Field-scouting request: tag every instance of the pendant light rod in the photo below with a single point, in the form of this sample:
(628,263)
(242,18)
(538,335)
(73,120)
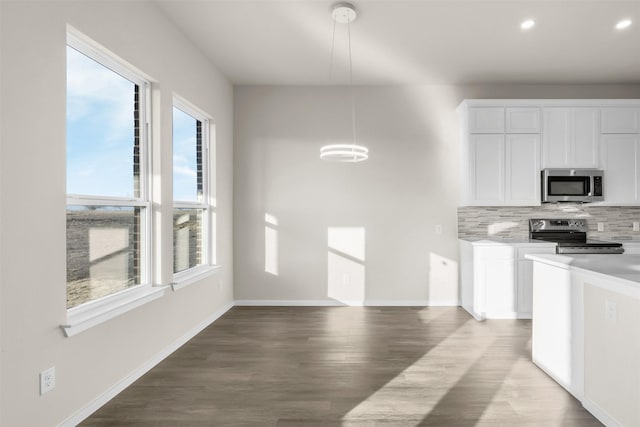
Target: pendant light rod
(345,13)
(353,101)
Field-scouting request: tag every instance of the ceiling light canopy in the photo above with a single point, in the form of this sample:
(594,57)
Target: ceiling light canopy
(625,23)
(528,24)
(345,13)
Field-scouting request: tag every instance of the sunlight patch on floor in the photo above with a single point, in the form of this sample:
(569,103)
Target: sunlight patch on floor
(418,388)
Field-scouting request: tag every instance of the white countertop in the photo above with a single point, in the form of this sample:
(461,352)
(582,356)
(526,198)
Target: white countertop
(622,269)
(489,241)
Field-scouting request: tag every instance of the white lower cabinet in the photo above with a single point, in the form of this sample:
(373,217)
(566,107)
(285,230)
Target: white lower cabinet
(496,279)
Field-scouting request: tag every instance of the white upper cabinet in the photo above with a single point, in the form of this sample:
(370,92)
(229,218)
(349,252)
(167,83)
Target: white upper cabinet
(620,158)
(501,169)
(522,184)
(487,169)
(504,170)
(523,120)
(620,120)
(486,120)
(570,137)
(505,143)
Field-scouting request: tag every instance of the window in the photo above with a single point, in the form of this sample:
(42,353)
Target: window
(191,200)
(108,209)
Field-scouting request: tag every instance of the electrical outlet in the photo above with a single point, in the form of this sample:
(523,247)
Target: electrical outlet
(636,226)
(601,226)
(47,380)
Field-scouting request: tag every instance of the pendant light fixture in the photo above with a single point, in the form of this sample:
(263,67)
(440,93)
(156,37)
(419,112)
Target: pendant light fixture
(345,13)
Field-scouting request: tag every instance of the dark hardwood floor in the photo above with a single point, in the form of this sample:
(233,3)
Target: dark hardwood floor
(348,366)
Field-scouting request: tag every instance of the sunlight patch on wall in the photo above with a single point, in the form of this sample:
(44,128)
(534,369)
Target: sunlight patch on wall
(271,256)
(443,280)
(345,264)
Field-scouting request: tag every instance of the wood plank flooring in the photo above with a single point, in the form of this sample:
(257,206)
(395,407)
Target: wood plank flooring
(348,366)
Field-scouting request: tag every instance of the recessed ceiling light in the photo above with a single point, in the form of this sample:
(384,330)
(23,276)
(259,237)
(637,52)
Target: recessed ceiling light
(528,24)
(625,23)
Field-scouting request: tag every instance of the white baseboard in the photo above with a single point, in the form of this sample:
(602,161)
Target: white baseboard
(600,414)
(334,303)
(290,302)
(125,382)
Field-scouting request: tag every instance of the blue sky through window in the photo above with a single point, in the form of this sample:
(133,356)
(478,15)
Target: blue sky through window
(185,184)
(100,134)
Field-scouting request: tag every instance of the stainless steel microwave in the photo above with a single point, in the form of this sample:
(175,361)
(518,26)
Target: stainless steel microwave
(572,185)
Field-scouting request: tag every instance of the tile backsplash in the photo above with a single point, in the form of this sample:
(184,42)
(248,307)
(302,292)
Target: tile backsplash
(513,221)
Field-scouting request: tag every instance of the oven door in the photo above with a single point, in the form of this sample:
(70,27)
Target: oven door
(571,185)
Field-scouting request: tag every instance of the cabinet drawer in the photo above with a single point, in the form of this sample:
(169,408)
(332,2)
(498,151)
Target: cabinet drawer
(523,120)
(497,252)
(620,120)
(486,120)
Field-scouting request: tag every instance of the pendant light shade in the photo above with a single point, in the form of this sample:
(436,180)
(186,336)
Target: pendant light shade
(345,13)
(344,153)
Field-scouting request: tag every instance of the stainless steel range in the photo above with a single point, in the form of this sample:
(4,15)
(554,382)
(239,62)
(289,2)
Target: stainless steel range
(571,237)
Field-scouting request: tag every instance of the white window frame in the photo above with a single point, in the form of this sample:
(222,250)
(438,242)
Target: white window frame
(207,268)
(93,312)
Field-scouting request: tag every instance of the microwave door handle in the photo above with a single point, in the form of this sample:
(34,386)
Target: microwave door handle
(591,184)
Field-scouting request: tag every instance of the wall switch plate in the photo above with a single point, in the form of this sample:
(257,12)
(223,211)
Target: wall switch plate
(601,226)
(636,226)
(438,228)
(611,311)
(47,380)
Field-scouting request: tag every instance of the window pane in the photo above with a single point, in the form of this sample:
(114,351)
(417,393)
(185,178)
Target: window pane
(187,238)
(103,251)
(187,157)
(102,134)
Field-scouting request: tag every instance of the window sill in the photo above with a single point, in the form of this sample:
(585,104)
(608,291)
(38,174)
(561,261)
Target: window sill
(93,313)
(193,275)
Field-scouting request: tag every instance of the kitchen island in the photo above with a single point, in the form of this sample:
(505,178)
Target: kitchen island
(586,330)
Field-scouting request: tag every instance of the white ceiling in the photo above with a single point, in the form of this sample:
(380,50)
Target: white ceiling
(271,42)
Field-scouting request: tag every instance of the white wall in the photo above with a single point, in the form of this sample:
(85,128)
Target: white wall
(32,184)
(407,187)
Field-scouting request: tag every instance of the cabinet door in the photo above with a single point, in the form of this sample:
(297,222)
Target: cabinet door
(487,169)
(585,138)
(500,289)
(486,120)
(620,120)
(620,162)
(523,170)
(556,139)
(524,288)
(523,120)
